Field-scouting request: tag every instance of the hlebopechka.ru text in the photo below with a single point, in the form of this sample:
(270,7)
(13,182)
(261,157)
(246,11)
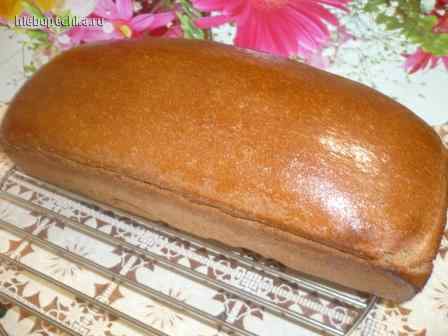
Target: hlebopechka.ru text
(57,22)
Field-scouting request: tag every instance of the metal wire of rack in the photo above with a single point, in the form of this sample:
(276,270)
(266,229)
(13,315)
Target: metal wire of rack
(53,206)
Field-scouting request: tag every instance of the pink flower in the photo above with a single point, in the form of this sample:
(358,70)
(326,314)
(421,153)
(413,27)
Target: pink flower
(442,25)
(441,3)
(120,22)
(69,39)
(420,60)
(174,32)
(282,27)
(317,60)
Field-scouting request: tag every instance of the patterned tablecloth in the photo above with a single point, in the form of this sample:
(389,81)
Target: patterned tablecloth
(366,58)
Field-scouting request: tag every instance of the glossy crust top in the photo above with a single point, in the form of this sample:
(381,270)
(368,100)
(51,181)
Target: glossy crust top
(256,137)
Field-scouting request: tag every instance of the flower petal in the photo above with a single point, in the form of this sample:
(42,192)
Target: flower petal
(99,35)
(312,33)
(77,7)
(76,34)
(276,42)
(92,34)
(245,33)
(291,27)
(141,22)
(106,9)
(340,4)
(260,38)
(344,35)
(162,19)
(289,38)
(318,60)
(417,61)
(210,5)
(207,22)
(442,25)
(318,12)
(445,61)
(434,62)
(174,32)
(124,9)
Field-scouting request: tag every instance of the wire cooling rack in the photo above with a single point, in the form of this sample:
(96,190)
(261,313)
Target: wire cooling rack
(89,263)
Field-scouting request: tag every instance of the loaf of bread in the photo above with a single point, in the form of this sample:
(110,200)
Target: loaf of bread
(318,172)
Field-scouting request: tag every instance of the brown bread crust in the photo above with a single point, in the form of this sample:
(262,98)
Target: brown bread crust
(292,154)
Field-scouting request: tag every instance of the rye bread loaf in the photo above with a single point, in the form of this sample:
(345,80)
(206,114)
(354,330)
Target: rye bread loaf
(323,174)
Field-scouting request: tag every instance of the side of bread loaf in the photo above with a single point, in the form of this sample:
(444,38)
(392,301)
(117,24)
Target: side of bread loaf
(323,174)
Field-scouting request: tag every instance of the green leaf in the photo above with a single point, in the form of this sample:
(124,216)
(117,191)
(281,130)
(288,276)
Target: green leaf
(189,9)
(393,23)
(372,5)
(415,26)
(187,16)
(427,22)
(37,35)
(32,9)
(382,18)
(189,28)
(30,68)
(3,311)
